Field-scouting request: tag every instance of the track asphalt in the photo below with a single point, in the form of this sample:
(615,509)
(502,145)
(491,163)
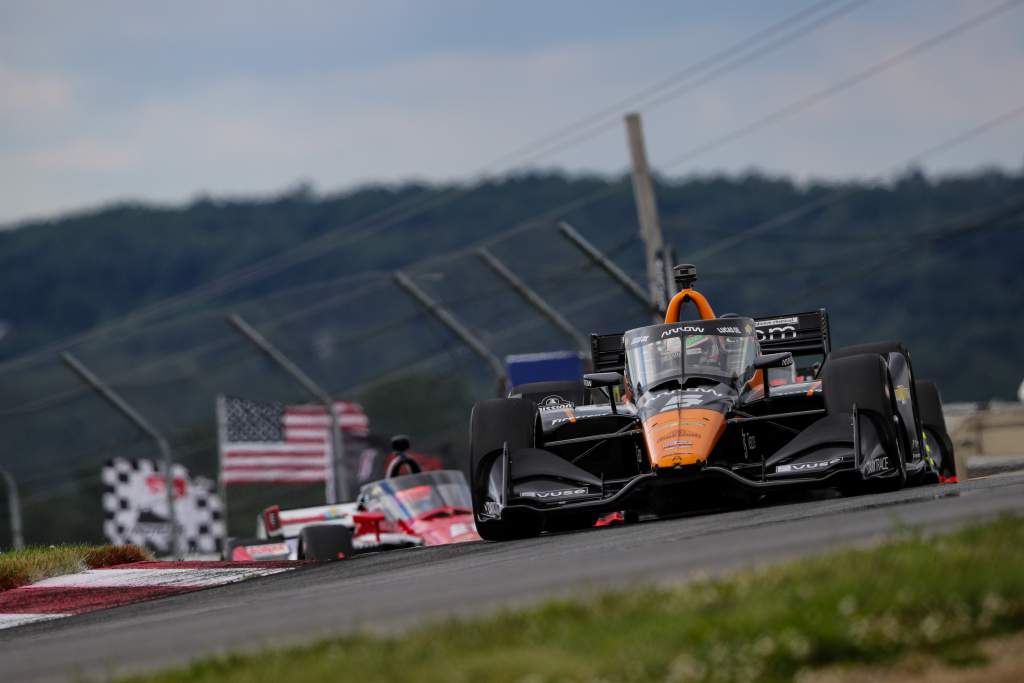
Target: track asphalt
(390,591)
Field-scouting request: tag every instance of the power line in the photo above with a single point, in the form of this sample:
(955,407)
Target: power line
(393,215)
(275,264)
(553,275)
(785,218)
(1001,217)
(834,198)
(781,114)
(691,78)
(847,83)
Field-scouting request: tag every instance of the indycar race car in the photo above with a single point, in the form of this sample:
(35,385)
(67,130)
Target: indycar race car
(403,510)
(712,410)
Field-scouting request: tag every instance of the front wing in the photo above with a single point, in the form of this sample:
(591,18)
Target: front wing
(836,450)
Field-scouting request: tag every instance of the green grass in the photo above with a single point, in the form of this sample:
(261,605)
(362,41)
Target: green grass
(937,595)
(22,567)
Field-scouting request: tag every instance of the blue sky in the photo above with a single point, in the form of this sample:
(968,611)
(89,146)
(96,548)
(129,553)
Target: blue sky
(105,101)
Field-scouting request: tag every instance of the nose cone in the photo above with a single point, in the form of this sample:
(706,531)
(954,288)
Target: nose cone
(684,436)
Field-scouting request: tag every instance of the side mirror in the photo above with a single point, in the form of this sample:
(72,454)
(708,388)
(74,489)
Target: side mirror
(596,380)
(604,381)
(773,360)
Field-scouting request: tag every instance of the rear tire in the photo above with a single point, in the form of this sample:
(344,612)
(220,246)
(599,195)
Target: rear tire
(878,348)
(325,543)
(934,422)
(493,424)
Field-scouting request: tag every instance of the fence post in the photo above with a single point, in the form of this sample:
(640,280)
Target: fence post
(14,507)
(531,297)
(337,484)
(457,328)
(607,266)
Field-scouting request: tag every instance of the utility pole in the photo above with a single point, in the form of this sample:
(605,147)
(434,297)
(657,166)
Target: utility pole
(453,324)
(605,264)
(143,424)
(659,265)
(14,508)
(532,298)
(337,483)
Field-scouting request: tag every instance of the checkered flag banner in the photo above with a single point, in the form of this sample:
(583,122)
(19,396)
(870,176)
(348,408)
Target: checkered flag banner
(135,508)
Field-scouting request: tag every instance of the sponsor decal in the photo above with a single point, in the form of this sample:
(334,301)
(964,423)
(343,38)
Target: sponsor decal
(559,493)
(576,417)
(682,329)
(902,393)
(777,333)
(775,321)
(554,402)
(808,466)
(691,397)
(636,341)
(267,550)
(877,465)
(729,330)
(705,390)
(492,509)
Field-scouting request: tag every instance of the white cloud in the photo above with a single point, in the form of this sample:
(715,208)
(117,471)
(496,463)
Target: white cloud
(82,155)
(443,115)
(31,94)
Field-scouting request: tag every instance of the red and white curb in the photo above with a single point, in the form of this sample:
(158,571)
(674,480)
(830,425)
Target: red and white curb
(96,589)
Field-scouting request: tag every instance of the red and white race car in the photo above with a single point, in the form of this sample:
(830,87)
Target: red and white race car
(400,511)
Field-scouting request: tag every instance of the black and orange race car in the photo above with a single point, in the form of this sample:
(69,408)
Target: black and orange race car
(692,413)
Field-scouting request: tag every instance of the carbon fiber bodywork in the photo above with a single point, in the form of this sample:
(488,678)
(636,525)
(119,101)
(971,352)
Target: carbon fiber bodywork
(699,438)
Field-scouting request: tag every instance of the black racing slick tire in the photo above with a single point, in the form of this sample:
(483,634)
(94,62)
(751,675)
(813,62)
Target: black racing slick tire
(934,423)
(494,424)
(325,543)
(863,381)
(910,421)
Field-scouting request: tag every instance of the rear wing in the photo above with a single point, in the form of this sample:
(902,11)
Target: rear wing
(274,522)
(801,334)
(608,352)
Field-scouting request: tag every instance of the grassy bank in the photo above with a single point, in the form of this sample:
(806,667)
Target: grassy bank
(22,567)
(933,596)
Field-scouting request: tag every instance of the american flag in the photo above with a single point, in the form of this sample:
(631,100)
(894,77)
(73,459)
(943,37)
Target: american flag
(274,443)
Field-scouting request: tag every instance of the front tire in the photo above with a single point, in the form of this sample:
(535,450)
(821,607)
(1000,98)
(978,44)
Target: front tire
(863,381)
(325,543)
(495,424)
